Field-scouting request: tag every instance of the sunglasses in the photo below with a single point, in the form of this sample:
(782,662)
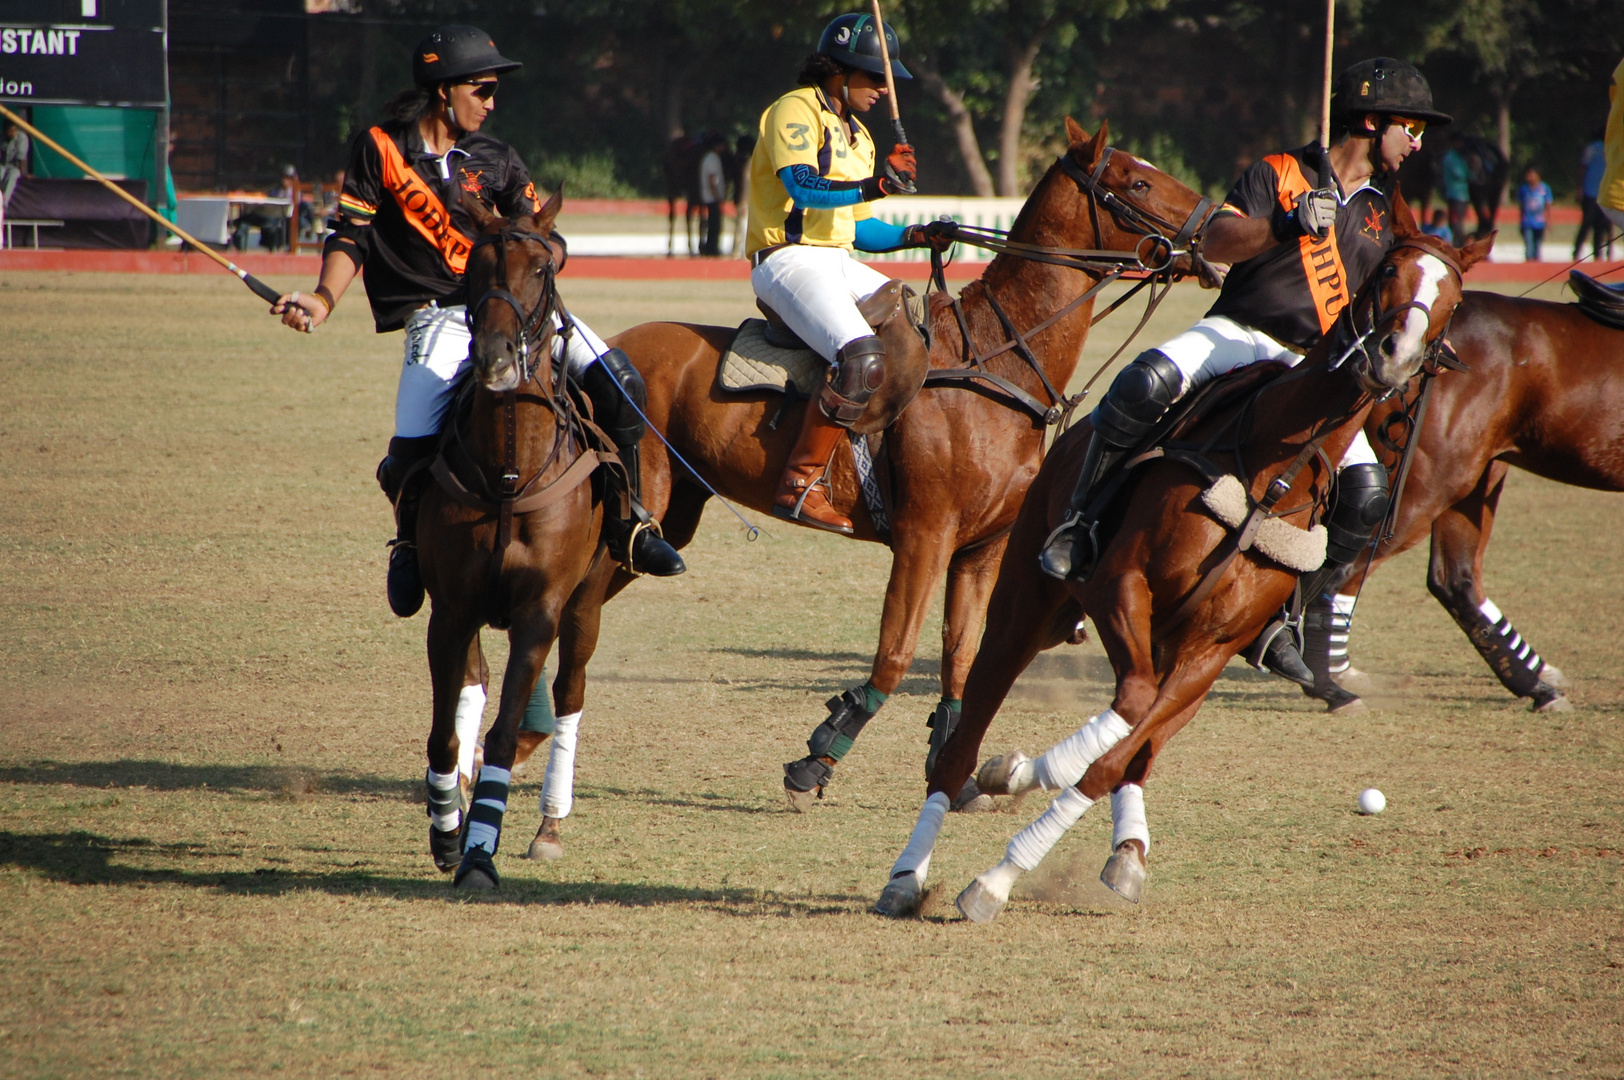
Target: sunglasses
(485,90)
(1413,128)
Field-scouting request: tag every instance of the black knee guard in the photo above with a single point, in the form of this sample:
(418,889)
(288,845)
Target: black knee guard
(609,382)
(403,454)
(1361,503)
(1138,398)
(860,371)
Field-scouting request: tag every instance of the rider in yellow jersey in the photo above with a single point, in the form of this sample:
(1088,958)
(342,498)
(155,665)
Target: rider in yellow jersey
(812,176)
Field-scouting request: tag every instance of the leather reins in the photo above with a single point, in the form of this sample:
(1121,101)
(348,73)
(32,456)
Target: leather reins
(1152,256)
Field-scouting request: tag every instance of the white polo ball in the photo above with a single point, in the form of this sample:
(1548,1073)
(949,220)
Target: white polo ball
(1372,801)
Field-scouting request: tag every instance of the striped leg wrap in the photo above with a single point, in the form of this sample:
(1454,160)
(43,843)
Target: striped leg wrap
(444,797)
(490,803)
(1512,658)
(1341,629)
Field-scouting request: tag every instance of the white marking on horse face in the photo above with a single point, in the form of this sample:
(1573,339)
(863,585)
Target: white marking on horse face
(1142,161)
(1409,343)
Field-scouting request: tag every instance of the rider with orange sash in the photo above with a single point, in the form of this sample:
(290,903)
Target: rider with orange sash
(401,225)
(1302,230)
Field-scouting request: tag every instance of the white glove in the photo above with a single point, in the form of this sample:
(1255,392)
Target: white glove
(1315,212)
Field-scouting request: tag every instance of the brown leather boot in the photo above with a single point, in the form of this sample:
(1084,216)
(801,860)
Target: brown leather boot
(803,491)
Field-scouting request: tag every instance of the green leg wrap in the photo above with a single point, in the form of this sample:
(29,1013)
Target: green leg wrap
(538,715)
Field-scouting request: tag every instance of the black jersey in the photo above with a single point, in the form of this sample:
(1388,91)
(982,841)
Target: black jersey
(1294,291)
(400,217)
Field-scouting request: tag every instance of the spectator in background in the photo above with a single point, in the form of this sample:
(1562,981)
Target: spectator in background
(1592,166)
(1439,226)
(1457,180)
(1533,199)
(1611,195)
(712,191)
(13,160)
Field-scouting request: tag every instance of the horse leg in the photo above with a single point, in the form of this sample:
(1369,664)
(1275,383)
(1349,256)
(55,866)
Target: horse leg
(470,712)
(529,642)
(970,578)
(1455,577)
(1031,612)
(577,641)
(1126,870)
(917,565)
(450,646)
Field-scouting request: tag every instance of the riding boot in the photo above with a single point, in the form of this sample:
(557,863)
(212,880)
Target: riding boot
(635,541)
(403,482)
(1135,403)
(803,491)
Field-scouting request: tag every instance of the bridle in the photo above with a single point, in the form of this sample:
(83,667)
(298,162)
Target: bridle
(1161,243)
(536,326)
(1349,342)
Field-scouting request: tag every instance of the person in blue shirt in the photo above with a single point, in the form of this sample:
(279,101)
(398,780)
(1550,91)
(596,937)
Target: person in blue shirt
(1533,199)
(1592,166)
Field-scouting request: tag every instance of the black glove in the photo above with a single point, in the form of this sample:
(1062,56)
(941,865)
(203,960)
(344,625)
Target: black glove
(932,234)
(901,170)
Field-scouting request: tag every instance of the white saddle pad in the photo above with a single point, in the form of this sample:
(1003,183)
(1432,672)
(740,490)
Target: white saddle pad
(1295,549)
(752,364)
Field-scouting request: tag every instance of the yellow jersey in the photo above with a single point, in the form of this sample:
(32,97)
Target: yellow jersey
(802,128)
(1612,181)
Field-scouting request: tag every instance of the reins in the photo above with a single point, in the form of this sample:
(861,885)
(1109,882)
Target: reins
(1152,256)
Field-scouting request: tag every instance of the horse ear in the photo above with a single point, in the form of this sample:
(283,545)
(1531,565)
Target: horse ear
(483,219)
(544,217)
(1476,251)
(1075,133)
(1087,148)
(1403,221)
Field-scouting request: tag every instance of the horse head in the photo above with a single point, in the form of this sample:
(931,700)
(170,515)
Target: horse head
(1406,304)
(514,262)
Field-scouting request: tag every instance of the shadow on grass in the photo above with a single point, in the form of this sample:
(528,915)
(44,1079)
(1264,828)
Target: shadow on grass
(168,776)
(84,858)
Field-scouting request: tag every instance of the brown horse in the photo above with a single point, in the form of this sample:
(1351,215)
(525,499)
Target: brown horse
(1175,594)
(510,535)
(961,456)
(1545,392)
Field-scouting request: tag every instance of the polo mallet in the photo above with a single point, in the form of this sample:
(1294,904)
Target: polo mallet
(890,80)
(1325,97)
(261,290)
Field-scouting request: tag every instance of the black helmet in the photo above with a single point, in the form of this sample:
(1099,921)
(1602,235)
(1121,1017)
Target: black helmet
(1384,85)
(851,40)
(455,52)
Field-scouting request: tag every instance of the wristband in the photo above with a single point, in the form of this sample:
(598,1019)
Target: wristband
(325,295)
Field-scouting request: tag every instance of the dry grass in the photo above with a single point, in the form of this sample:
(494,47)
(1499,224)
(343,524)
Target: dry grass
(213,857)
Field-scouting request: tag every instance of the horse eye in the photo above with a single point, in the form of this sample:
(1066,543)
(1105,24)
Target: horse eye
(1141,185)
(1390,270)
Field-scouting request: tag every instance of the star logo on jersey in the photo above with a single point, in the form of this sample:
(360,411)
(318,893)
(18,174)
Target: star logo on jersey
(1372,227)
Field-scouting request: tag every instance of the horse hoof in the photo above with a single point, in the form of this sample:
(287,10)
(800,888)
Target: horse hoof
(528,742)
(547,844)
(900,897)
(801,801)
(1552,676)
(1338,702)
(1124,873)
(1548,699)
(446,847)
(1005,775)
(978,904)
(971,800)
(477,872)
(1353,680)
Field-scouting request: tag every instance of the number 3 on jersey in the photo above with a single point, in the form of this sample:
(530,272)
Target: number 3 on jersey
(797,136)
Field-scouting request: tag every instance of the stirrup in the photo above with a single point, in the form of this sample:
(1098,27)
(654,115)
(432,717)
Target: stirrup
(638,528)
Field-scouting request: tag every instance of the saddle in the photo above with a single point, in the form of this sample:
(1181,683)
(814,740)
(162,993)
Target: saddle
(765,354)
(1600,302)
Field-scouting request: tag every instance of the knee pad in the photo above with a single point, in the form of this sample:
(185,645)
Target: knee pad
(403,454)
(1138,398)
(1361,503)
(603,381)
(860,372)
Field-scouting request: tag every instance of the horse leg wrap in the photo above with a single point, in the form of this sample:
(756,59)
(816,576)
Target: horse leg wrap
(859,372)
(470,711)
(538,712)
(1035,841)
(941,723)
(490,803)
(833,738)
(1064,764)
(915,857)
(1128,816)
(1513,659)
(558,789)
(445,800)
(1325,639)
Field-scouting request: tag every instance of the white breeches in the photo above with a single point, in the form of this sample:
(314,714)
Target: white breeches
(1217,345)
(437,340)
(816,291)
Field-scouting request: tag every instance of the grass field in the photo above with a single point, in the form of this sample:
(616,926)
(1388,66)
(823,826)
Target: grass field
(214,862)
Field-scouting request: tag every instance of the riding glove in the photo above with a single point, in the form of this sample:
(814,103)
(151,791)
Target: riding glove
(901,170)
(1313,215)
(932,234)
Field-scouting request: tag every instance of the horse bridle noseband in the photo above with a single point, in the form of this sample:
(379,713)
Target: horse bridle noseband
(531,323)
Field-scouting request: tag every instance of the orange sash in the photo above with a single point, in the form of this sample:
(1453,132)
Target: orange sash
(420,205)
(1322,261)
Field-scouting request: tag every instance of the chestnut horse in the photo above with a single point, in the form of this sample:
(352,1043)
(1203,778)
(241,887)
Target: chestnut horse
(963,453)
(1175,594)
(510,535)
(1545,392)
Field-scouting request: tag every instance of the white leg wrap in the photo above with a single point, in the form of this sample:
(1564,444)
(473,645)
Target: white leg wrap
(470,711)
(558,790)
(1128,816)
(1032,843)
(445,782)
(915,858)
(1064,764)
